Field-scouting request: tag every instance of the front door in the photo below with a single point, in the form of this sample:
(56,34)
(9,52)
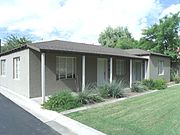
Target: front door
(102,71)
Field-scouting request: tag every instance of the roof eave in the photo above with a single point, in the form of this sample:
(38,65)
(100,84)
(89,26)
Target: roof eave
(19,48)
(80,52)
(13,50)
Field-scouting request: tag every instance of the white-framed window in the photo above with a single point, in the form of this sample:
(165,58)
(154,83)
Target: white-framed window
(120,67)
(16,67)
(65,67)
(161,67)
(3,67)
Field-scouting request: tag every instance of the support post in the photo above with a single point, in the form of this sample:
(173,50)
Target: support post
(148,68)
(131,73)
(111,70)
(83,72)
(145,69)
(43,76)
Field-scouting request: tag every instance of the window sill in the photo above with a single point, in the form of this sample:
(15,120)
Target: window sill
(160,74)
(3,75)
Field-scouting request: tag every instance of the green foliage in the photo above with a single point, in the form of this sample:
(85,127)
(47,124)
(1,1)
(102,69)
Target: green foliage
(87,97)
(163,37)
(64,100)
(173,73)
(13,41)
(160,84)
(126,43)
(155,84)
(114,89)
(138,87)
(149,83)
(175,76)
(177,79)
(61,101)
(103,91)
(118,37)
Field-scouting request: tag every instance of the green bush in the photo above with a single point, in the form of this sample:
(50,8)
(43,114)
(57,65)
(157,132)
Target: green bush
(149,83)
(114,89)
(155,84)
(173,74)
(61,101)
(138,87)
(86,97)
(160,84)
(177,79)
(103,91)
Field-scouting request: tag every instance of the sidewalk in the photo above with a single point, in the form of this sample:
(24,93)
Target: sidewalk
(57,121)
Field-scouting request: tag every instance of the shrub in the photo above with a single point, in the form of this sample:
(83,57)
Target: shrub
(160,84)
(86,97)
(149,83)
(61,101)
(103,91)
(173,74)
(138,87)
(177,79)
(114,89)
(155,84)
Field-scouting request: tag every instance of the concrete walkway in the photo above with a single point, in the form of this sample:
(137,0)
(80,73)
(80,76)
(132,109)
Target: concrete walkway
(57,121)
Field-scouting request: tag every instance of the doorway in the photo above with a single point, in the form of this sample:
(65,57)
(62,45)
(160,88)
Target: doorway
(102,71)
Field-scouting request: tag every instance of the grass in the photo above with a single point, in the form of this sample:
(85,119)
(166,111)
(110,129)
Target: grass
(153,114)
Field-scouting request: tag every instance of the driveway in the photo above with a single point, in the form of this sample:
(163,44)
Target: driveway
(16,121)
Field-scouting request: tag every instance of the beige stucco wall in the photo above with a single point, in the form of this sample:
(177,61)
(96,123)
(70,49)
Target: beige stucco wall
(154,67)
(21,85)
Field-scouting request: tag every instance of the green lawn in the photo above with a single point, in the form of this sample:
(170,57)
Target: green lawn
(153,114)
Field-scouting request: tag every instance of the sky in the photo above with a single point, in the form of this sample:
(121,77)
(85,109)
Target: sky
(79,20)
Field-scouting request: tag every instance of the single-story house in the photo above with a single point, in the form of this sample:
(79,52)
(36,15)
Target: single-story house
(43,68)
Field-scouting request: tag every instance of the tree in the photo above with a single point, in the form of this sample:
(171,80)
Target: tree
(163,37)
(127,43)
(118,37)
(13,41)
